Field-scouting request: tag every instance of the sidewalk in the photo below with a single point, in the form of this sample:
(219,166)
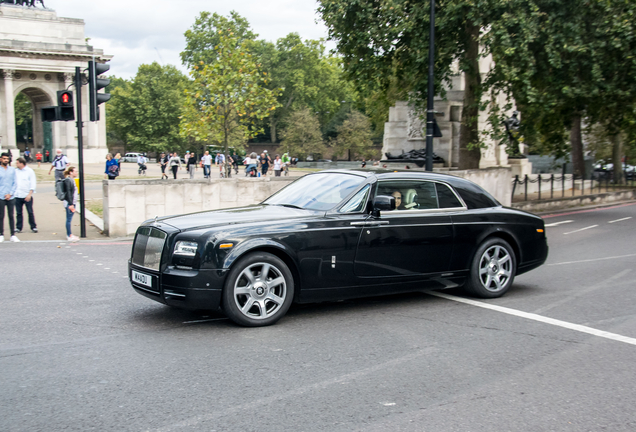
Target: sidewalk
(50,216)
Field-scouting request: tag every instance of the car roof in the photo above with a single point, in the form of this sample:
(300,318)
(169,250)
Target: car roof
(384,173)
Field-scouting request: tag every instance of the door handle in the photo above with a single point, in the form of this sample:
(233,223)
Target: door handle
(370,223)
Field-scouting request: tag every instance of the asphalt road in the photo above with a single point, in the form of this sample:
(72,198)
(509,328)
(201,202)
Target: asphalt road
(80,350)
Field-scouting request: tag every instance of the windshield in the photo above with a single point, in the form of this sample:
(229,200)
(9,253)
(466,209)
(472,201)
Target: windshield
(321,191)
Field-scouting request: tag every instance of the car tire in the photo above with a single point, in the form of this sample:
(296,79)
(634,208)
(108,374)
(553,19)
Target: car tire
(493,269)
(253,300)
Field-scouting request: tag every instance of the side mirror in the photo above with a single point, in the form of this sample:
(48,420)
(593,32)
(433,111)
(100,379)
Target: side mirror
(383,203)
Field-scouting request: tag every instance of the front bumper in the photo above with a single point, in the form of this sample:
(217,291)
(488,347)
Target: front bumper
(185,289)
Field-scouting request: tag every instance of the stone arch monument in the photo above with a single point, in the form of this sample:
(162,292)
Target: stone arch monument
(38,55)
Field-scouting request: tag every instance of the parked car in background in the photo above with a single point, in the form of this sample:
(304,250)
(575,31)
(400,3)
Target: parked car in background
(130,157)
(334,235)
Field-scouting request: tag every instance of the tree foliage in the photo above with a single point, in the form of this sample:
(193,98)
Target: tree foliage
(204,36)
(302,135)
(354,137)
(307,76)
(228,96)
(145,112)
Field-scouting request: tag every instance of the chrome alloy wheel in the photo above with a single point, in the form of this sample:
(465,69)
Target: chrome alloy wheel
(260,290)
(495,268)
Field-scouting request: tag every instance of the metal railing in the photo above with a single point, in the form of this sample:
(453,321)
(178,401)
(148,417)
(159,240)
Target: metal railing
(595,183)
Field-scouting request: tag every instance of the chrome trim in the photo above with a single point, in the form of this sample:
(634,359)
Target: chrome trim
(174,294)
(370,223)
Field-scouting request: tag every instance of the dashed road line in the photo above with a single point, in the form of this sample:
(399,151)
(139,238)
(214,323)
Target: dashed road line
(620,220)
(579,230)
(558,223)
(539,318)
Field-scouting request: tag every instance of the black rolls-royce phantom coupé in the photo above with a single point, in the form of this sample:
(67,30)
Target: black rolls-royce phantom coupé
(335,235)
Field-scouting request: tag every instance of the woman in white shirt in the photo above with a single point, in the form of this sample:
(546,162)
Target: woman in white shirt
(278,166)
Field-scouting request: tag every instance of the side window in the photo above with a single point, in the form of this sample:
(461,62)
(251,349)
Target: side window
(357,203)
(410,194)
(446,197)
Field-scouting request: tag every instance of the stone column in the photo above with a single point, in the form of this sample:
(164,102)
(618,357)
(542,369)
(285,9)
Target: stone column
(9,118)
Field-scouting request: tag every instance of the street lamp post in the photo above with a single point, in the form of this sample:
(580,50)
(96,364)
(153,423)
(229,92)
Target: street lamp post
(430,112)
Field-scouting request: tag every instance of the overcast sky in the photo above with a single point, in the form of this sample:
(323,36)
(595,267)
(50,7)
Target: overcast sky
(137,32)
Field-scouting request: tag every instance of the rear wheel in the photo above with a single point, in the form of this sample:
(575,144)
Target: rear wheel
(259,290)
(493,269)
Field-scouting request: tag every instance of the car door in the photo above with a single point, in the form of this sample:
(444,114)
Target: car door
(415,239)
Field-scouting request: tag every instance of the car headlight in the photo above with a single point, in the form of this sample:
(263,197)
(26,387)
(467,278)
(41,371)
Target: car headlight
(185,248)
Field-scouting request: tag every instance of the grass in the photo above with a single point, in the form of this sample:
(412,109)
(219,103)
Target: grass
(96,205)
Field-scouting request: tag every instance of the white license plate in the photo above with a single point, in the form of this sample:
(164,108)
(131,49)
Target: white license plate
(142,278)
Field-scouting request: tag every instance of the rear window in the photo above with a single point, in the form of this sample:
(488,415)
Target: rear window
(475,197)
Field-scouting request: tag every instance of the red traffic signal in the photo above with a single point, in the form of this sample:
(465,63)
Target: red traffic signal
(65,98)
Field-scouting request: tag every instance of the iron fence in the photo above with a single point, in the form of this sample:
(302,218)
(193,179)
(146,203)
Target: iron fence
(602,182)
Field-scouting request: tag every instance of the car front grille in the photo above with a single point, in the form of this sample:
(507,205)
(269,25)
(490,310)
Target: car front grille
(148,247)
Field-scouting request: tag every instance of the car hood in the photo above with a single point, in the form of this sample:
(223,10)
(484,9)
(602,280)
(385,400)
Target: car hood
(233,216)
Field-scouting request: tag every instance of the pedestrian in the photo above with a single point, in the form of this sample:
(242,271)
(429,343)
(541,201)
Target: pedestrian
(141,162)
(70,200)
(60,163)
(265,162)
(219,160)
(112,167)
(25,188)
(7,192)
(38,158)
(163,162)
(364,163)
(48,156)
(175,164)
(235,162)
(118,159)
(278,166)
(186,157)
(27,154)
(191,165)
(207,164)
(286,162)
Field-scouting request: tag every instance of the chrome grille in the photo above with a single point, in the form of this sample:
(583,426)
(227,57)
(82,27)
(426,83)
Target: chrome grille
(148,247)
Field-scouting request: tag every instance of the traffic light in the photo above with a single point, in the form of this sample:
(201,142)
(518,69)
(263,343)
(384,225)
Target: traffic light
(94,85)
(49,114)
(63,112)
(65,105)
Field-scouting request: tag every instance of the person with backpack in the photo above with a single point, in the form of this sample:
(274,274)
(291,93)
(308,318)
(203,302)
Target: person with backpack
(66,188)
(59,163)
(112,167)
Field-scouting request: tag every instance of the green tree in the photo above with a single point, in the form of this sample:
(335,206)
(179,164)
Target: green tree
(387,42)
(307,76)
(227,96)
(354,137)
(564,61)
(204,36)
(302,135)
(145,112)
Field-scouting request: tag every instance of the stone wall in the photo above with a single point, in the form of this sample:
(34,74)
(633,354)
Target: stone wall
(127,203)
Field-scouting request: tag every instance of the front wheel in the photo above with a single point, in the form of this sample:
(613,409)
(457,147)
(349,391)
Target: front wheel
(259,290)
(493,269)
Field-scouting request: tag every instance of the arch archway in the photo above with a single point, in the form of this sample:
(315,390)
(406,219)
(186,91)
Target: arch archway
(40,97)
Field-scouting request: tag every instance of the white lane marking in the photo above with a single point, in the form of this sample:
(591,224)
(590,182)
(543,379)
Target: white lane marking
(558,223)
(539,318)
(592,260)
(579,230)
(580,293)
(619,220)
